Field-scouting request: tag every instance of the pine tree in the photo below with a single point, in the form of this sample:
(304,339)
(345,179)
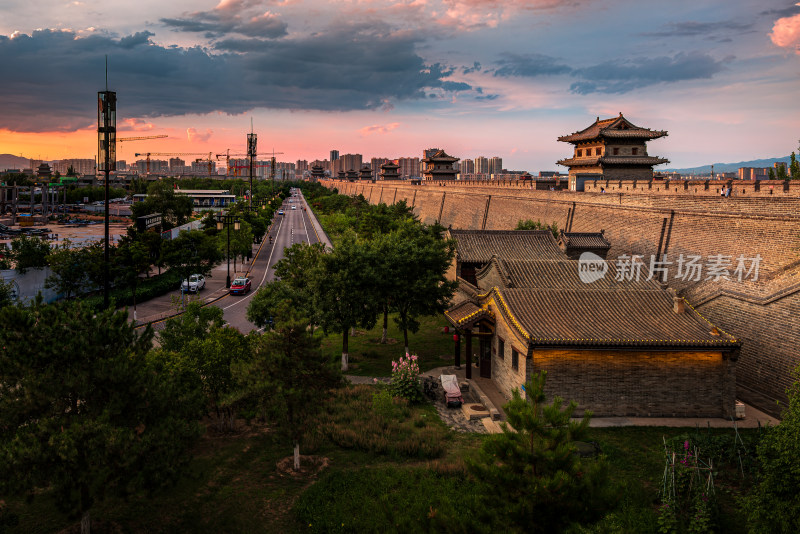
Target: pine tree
(539,481)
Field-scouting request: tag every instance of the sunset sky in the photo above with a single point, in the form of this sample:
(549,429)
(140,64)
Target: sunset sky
(390,78)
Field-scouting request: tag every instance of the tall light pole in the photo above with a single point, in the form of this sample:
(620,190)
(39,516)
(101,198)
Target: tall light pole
(226,220)
(251,155)
(107,161)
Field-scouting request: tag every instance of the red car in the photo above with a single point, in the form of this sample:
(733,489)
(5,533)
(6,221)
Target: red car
(240,286)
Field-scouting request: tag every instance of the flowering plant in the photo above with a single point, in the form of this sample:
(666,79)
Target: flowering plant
(687,495)
(405,378)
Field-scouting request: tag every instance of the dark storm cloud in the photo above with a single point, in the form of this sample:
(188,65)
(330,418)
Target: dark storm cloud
(622,76)
(529,65)
(788,11)
(52,78)
(706,29)
(219,22)
(719,32)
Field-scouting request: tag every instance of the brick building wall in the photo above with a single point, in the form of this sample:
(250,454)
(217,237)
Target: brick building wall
(645,384)
(763,315)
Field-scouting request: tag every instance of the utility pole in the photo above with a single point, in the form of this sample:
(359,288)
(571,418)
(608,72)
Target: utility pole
(107,157)
(251,154)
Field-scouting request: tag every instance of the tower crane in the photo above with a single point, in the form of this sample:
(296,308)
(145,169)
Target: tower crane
(141,138)
(272,169)
(228,155)
(237,168)
(207,158)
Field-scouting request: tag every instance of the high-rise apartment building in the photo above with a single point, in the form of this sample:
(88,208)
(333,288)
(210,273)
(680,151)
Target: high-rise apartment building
(467,167)
(496,165)
(351,162)
(80,166)
(409,168)
(177,166)
(157,166)
(334,155)
(481,165)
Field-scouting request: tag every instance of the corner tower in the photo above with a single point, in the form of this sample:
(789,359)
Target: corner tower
(611,149)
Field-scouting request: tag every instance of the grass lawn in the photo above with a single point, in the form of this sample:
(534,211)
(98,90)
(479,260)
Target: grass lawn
(368,357)
(370,484)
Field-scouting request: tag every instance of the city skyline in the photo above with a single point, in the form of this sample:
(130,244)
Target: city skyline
(389,79)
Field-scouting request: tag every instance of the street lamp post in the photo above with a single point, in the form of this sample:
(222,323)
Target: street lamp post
(226,220)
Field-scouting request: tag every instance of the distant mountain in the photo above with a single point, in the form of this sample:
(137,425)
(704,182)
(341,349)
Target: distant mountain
(728,167)
(9,161)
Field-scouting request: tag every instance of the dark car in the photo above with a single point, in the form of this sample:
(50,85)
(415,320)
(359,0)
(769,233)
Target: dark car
(240,286)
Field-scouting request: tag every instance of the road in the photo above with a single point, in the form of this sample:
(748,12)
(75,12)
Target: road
(295,226)
(292,228)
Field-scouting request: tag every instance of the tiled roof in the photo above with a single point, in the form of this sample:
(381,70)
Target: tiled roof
(478,246)
(560,274)
(584,240)
(441,155)
(616,127)
(466,313)
(607,318)
(613,160)
(633,160)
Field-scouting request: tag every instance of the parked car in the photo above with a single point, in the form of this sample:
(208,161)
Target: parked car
(240,286)
(196,283)
(280,212)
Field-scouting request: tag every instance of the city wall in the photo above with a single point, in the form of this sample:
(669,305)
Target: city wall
(764,312)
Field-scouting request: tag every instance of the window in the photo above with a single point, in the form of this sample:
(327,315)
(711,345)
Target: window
(579,152)
(616,151)
(514,360)
(634,151)
(597,151)
(501,349)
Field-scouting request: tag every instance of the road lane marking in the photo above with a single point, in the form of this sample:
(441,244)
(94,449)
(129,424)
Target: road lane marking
(269,262)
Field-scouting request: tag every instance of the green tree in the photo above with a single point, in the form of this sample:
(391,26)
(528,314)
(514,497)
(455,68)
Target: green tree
(194,323)
(209,348)
(192,252)
(90,415)
(529,224)
(289,376)
(132,259)
(344,289)
(794,167)
(71,171)
(69,268)
(6,294)
(413,261)
(539,482)
(771,173)
(782,172)
(774,504)
(294,286)
(29,253)
(241,241)
(175,208)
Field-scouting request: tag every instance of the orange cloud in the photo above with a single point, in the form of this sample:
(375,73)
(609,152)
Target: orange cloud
(193,135)
(137,125)
(786,32)
(379,129)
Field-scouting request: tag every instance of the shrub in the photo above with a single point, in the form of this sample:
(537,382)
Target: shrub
(774,504)
(359,418)
(405,379)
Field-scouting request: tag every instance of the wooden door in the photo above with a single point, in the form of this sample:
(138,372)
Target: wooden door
(485,357)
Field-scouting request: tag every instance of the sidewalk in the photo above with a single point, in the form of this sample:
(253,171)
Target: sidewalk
(318,231)
(493,400)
